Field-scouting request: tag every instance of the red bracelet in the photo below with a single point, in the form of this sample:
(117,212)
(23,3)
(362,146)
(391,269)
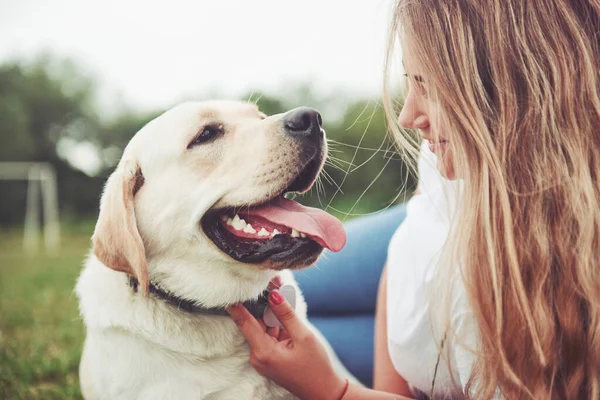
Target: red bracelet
(345,390)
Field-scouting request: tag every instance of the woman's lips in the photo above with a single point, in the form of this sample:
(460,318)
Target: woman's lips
(437,147)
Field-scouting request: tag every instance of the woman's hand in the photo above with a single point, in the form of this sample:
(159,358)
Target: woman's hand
(292,357)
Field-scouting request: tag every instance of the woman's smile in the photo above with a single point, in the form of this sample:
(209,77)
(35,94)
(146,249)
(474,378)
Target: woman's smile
(437,147)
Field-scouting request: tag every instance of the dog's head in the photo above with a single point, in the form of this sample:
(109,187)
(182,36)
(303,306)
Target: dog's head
(205,181)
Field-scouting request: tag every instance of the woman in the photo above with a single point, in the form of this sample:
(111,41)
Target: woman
(506,92)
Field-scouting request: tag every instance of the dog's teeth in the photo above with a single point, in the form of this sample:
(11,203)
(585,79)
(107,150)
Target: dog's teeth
(275,233)
(249,229)
(238,223)
(295,233)
(302,235)
(229,222)
(263,232)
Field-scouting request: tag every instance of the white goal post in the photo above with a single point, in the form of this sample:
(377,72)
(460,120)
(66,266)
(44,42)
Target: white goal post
(41,185)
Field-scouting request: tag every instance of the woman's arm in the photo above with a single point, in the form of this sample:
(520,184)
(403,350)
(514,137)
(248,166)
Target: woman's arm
(362,393)
(385,377)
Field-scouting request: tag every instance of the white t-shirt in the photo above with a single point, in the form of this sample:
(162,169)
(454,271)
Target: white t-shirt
(413,256)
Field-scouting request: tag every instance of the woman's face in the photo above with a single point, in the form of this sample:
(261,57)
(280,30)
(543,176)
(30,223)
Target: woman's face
(417,113)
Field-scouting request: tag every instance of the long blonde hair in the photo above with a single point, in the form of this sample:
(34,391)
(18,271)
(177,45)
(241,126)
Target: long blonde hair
(517,87)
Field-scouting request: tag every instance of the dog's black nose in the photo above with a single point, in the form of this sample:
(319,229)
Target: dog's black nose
(303,122)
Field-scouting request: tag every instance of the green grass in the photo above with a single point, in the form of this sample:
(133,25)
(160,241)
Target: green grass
(41,333)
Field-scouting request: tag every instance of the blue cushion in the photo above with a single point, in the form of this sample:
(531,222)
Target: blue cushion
(347,282)
(352,338)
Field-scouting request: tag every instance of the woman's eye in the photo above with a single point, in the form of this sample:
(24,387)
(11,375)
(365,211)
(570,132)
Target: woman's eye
(421,88)
(418,83)
(207,134)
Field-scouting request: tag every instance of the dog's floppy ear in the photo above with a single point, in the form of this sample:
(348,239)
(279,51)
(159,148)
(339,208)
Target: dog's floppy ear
(116,241)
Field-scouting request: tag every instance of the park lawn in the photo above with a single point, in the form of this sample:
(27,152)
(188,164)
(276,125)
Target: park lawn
(41,333)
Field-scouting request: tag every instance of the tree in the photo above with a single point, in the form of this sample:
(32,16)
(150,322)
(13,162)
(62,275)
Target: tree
(47,107)
(40,103)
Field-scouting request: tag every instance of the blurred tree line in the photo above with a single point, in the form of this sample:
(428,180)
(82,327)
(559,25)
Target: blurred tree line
(48,109)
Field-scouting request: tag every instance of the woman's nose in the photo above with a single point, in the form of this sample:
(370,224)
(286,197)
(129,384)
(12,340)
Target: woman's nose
(413,116)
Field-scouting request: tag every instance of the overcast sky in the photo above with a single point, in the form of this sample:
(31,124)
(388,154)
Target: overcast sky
(153,53)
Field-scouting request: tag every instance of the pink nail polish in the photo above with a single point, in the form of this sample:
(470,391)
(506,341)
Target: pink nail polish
(276,298)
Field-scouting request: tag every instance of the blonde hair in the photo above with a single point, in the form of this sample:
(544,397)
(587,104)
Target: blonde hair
(517,88)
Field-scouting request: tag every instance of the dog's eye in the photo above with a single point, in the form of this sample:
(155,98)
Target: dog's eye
(208,133)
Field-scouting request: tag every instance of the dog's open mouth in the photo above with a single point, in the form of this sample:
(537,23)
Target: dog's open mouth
(278,230)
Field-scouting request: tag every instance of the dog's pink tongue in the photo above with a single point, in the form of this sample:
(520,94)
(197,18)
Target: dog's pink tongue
(322,227)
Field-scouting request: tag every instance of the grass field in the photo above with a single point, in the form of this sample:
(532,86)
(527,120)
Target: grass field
(40,330)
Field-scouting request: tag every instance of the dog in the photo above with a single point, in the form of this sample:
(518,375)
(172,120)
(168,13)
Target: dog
(194,219)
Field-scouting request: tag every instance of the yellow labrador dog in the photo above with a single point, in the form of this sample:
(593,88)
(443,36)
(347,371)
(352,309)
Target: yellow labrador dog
(192,220)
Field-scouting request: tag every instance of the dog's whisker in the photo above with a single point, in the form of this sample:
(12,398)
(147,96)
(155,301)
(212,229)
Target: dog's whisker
(327,178)
(346,213)
(332,146)
(339,160)
(259,98)
(368,187)
(319,184)
(360,115)
(372,155)
(332,181)
(402,191)
(335,166)
(358,147)
(323,190)
(355,153)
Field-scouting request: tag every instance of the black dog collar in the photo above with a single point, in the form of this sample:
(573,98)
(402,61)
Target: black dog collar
(255,307)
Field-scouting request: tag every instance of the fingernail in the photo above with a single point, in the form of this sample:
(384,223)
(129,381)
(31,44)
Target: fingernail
(275,297)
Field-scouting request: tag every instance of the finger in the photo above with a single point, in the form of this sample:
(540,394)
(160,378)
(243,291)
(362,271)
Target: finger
(283,335)
(250,327)
(275,283)
(273,331)
(262,325)
(286,315)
